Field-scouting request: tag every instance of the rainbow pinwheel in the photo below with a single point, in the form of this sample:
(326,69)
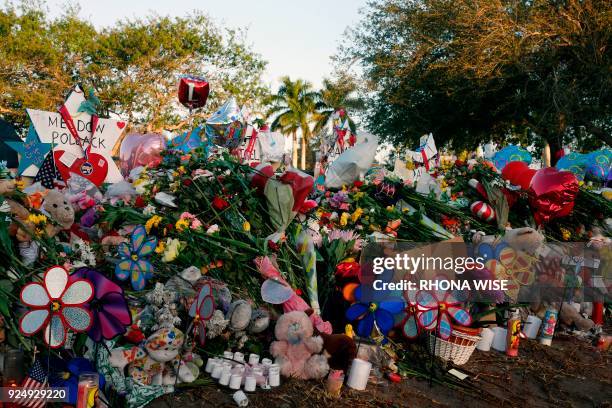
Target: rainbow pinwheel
(202,310)
(410,325)
(370,313)
(134,263)
(508,264)
(57,305)
(435,310)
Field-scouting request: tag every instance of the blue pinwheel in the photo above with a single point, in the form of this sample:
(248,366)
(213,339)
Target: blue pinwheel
(134,263)
(435,310)
(370,313)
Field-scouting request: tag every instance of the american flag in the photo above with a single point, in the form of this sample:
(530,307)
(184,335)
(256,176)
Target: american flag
(36,379)
(48,175)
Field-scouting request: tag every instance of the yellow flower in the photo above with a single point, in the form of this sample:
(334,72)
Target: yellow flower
(357,214)
(152,222)
(37,219)
(390,208)
(566,234)
(182,224)
(358,195)
(344,219)
(20,184)
(161,246)
(172,250)
(246,226)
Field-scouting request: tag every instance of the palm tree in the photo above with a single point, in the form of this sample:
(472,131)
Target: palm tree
(334,96)
(293,108)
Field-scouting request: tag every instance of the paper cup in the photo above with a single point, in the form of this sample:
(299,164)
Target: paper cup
(499,339)
(225,378)
(532,326)
(235,381)
(241,399)
(217,371)
(486,338)
(359,374)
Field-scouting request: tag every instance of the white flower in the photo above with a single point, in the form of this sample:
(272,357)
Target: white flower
(212,229)
(149,210)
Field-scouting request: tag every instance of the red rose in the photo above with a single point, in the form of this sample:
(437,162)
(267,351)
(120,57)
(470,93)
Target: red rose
(219,203)
(187,182)
(139,202)
(273,245)
(358,183)
(298,292)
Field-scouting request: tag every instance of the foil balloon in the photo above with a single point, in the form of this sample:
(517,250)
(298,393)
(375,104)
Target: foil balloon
(140,150)
(573,162)
(552,194)
(518,174)
(598,164)
(510,154)
(226,127)
(189,140)
(193,91)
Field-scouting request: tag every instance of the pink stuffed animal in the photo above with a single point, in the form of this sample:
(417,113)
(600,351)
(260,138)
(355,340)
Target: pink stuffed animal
(296,350)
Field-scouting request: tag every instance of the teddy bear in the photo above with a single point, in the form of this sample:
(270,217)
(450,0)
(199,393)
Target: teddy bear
(58,208)
(156,361)
(296,350)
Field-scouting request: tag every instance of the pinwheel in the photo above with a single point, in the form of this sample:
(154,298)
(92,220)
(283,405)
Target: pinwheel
(202,310)
(57,305)
(410,325)
(435,310)
(370,313)
(110,312)
(507,264)
(134,263)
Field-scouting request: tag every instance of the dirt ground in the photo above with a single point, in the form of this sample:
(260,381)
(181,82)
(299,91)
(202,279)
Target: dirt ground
(570,373)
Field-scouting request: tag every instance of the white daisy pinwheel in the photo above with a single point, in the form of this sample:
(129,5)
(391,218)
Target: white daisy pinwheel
(56,306)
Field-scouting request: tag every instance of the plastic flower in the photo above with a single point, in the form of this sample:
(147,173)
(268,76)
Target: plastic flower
(57,305)
(370,313)
(344,219)
(435,310)
(172,249)
(110,312)
(182,224)
(202,310)
(134,263)
(356,214)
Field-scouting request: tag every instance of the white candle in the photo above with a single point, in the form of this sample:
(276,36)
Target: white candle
(235,381)
(217,371)
(253,359)
(359,374)
(486,338)
(238,356)
(241,399)
(228,354)
(210,363)
(274,377)
(250,384)
(532,326)
(499,339)
(225,378)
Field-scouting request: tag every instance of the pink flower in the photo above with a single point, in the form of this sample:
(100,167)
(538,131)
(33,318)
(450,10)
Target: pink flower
(195,224)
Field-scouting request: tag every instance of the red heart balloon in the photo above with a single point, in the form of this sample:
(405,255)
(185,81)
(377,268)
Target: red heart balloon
(552,194)
(94,168)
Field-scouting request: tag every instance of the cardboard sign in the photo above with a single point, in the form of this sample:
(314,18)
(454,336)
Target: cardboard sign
(51,128)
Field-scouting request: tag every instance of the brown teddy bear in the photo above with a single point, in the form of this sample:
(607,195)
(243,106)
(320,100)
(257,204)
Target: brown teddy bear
(60,211)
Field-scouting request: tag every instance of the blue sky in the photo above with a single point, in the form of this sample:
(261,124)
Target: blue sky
(295,37)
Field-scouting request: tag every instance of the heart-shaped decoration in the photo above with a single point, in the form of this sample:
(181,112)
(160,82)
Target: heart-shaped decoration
(120,125)
(552,194)
(94,168)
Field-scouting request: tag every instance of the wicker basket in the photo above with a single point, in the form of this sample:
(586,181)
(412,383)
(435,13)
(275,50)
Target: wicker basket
(457,349)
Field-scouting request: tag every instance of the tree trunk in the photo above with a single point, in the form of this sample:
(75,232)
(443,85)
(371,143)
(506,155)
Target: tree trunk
(303,158)
(294,148)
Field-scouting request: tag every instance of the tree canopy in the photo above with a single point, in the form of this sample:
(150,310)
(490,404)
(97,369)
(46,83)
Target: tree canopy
(473,70)
(133,65)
